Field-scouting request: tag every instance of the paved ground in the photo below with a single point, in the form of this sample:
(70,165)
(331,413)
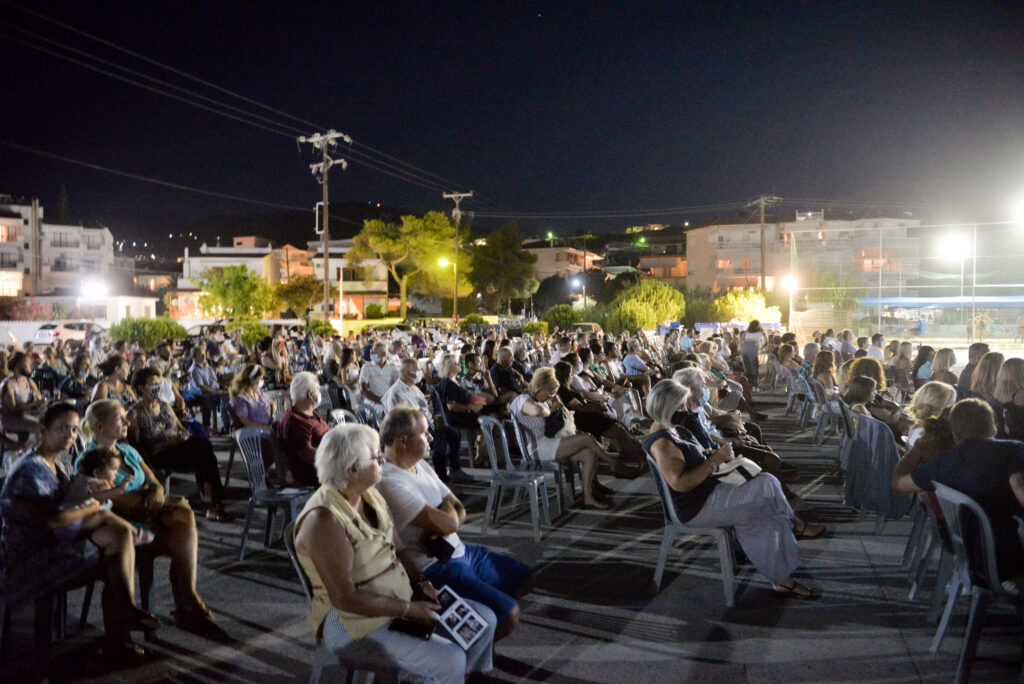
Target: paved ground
(594,616)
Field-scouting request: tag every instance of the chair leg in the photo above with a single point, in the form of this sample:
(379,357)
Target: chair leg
(954,595)
(489,507)
(83,619)
(725,558)
(879,523)
(981,599)
(919,566)
(917,535)
(245,528)
(667,537)
(534,511)
(942,576)
(231,462)
(542,485)
(270,525)
(558,492)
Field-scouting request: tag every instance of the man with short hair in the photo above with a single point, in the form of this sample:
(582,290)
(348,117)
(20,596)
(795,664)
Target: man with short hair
(508,382)
(846,348)
(877,348)
(990,471)
(862,348)
(562,347)
(377,376)
(635,369)
(428,516)
(204,379)
(974,354)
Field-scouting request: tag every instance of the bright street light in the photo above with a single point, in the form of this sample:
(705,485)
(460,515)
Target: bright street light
(444,262)
(580,282)
(789,284)
(93,289)
(954,246)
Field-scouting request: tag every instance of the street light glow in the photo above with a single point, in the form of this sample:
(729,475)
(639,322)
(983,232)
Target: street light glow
(954,246)
(93,289)
(789,282)
(575,282)
(444,262)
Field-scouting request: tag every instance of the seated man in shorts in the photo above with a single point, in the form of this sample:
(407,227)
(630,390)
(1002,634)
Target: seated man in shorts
(427,514)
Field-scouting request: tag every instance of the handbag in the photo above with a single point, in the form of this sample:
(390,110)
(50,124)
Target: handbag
(554,423)
(739,470)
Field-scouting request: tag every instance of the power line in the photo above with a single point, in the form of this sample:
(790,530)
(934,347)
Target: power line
(158,181)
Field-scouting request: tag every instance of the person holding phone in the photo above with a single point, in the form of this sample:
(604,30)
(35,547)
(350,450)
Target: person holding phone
(366,586)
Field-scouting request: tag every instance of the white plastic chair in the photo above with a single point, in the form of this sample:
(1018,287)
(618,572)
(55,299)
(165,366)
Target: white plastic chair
(674,528)
(564,471)
(504,475)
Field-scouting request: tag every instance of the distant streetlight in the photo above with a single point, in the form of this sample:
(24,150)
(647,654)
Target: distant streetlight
(444,262)
(956,246)
(551,239)
(582,283)
(642,242)
(789,284)
(94,289)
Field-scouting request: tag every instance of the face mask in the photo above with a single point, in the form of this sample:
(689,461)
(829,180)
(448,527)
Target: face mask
(316,399)
(83,374)
(154,391)
(705,397)
(259,384)
(374,358)
(419,378)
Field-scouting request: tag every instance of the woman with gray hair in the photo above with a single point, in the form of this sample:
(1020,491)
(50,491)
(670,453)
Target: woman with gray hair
(765,525)
(346,543)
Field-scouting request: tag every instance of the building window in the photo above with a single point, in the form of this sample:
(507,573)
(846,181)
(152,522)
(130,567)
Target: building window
(64,240)
(63,265)
(8,233)
(91,265)
(8,260)
(93,241)
(10,284)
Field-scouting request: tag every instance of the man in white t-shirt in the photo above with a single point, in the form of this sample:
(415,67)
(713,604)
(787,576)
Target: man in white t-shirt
(376,377)
(426,513)
(877,348)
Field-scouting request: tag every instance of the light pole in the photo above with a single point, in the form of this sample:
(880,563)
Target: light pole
(551,239)
(957,246)
(789,283)
(581,282)
(444,263)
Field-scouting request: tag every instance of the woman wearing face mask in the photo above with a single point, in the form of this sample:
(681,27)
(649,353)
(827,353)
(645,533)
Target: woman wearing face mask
(143,502)
(166,444)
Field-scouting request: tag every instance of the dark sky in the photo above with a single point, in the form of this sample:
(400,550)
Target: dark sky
(540,106)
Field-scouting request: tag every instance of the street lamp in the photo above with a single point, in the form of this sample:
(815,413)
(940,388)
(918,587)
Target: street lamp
(444,263)
(789,284)
(551,238)
(581,282)
(957,246)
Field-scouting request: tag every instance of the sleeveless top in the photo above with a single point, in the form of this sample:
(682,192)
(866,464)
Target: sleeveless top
(687,504)
(375,568)
(535,424)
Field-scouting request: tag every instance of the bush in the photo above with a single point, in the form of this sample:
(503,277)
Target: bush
(697,311)
(374,311)
(536,327)
(252,330)
(745,306)
(467,323)
(561,316)
(645,305)
(149,332)
(319,326)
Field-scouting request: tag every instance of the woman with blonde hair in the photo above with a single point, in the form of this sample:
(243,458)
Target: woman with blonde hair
(824,370)
(983,386)
(532,411)
(250,406)
(904,360)
(1010,391)
(891,352)
(944,360)
(929,401)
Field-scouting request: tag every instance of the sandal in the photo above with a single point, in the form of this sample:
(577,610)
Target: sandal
(126,651)
(198,619)
(802,532)
(796,591)
(138,620)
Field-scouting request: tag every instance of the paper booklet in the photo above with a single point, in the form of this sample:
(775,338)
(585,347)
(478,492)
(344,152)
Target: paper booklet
(464,623)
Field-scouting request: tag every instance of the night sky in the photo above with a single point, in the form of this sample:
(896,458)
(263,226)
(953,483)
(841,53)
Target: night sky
(563,107)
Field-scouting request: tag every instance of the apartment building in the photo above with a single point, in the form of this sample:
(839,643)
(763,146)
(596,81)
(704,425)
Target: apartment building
(368,285)
(560,260)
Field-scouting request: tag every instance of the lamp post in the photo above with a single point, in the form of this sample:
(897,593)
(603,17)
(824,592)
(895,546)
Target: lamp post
(581,282)
(789,283)
(444,263)
(551,239)
(957,246)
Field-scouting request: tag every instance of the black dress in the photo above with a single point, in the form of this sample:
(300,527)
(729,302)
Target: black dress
(595,424)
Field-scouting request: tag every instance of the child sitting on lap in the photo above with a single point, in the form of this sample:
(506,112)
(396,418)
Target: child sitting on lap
(95,483)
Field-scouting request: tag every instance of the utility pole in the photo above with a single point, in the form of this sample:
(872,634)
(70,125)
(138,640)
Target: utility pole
(763,201)
(456,197)
(326,142)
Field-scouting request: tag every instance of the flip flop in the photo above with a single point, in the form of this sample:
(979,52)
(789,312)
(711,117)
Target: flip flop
(785,592)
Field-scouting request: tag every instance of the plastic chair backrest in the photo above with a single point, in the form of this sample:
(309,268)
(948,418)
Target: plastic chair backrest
(370,415)
(956,506)
(664,492)
(527,444)
(805,385)
(289,543)
(339,416)
(350,398)
(496,443)
(819,391)
(250,443)
(848,422)
(282,400)
(334,394)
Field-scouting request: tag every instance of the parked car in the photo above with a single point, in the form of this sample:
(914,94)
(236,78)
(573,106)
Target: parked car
(586,328)
(66,330)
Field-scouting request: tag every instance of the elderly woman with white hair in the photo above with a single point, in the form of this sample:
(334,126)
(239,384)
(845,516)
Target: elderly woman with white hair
(362,576)
(765,525)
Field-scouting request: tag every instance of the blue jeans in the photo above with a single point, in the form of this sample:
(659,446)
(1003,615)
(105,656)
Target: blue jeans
(482,576)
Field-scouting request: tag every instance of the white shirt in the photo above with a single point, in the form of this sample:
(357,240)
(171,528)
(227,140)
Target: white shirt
(876,353)
(407,494)
(557,355)
(378,379)
(400,394)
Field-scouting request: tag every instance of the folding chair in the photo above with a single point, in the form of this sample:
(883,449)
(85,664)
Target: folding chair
(505,475)
(674,528)
(564,471)
(340,415)
(975,572)
(370,414)
(250,443)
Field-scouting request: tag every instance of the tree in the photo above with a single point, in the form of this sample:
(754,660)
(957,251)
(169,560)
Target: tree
(411,251)
(236,291)
(502,269)
(561,316)
(148,332)
(551,291)
(645,305)
(745,306)
(300,293)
